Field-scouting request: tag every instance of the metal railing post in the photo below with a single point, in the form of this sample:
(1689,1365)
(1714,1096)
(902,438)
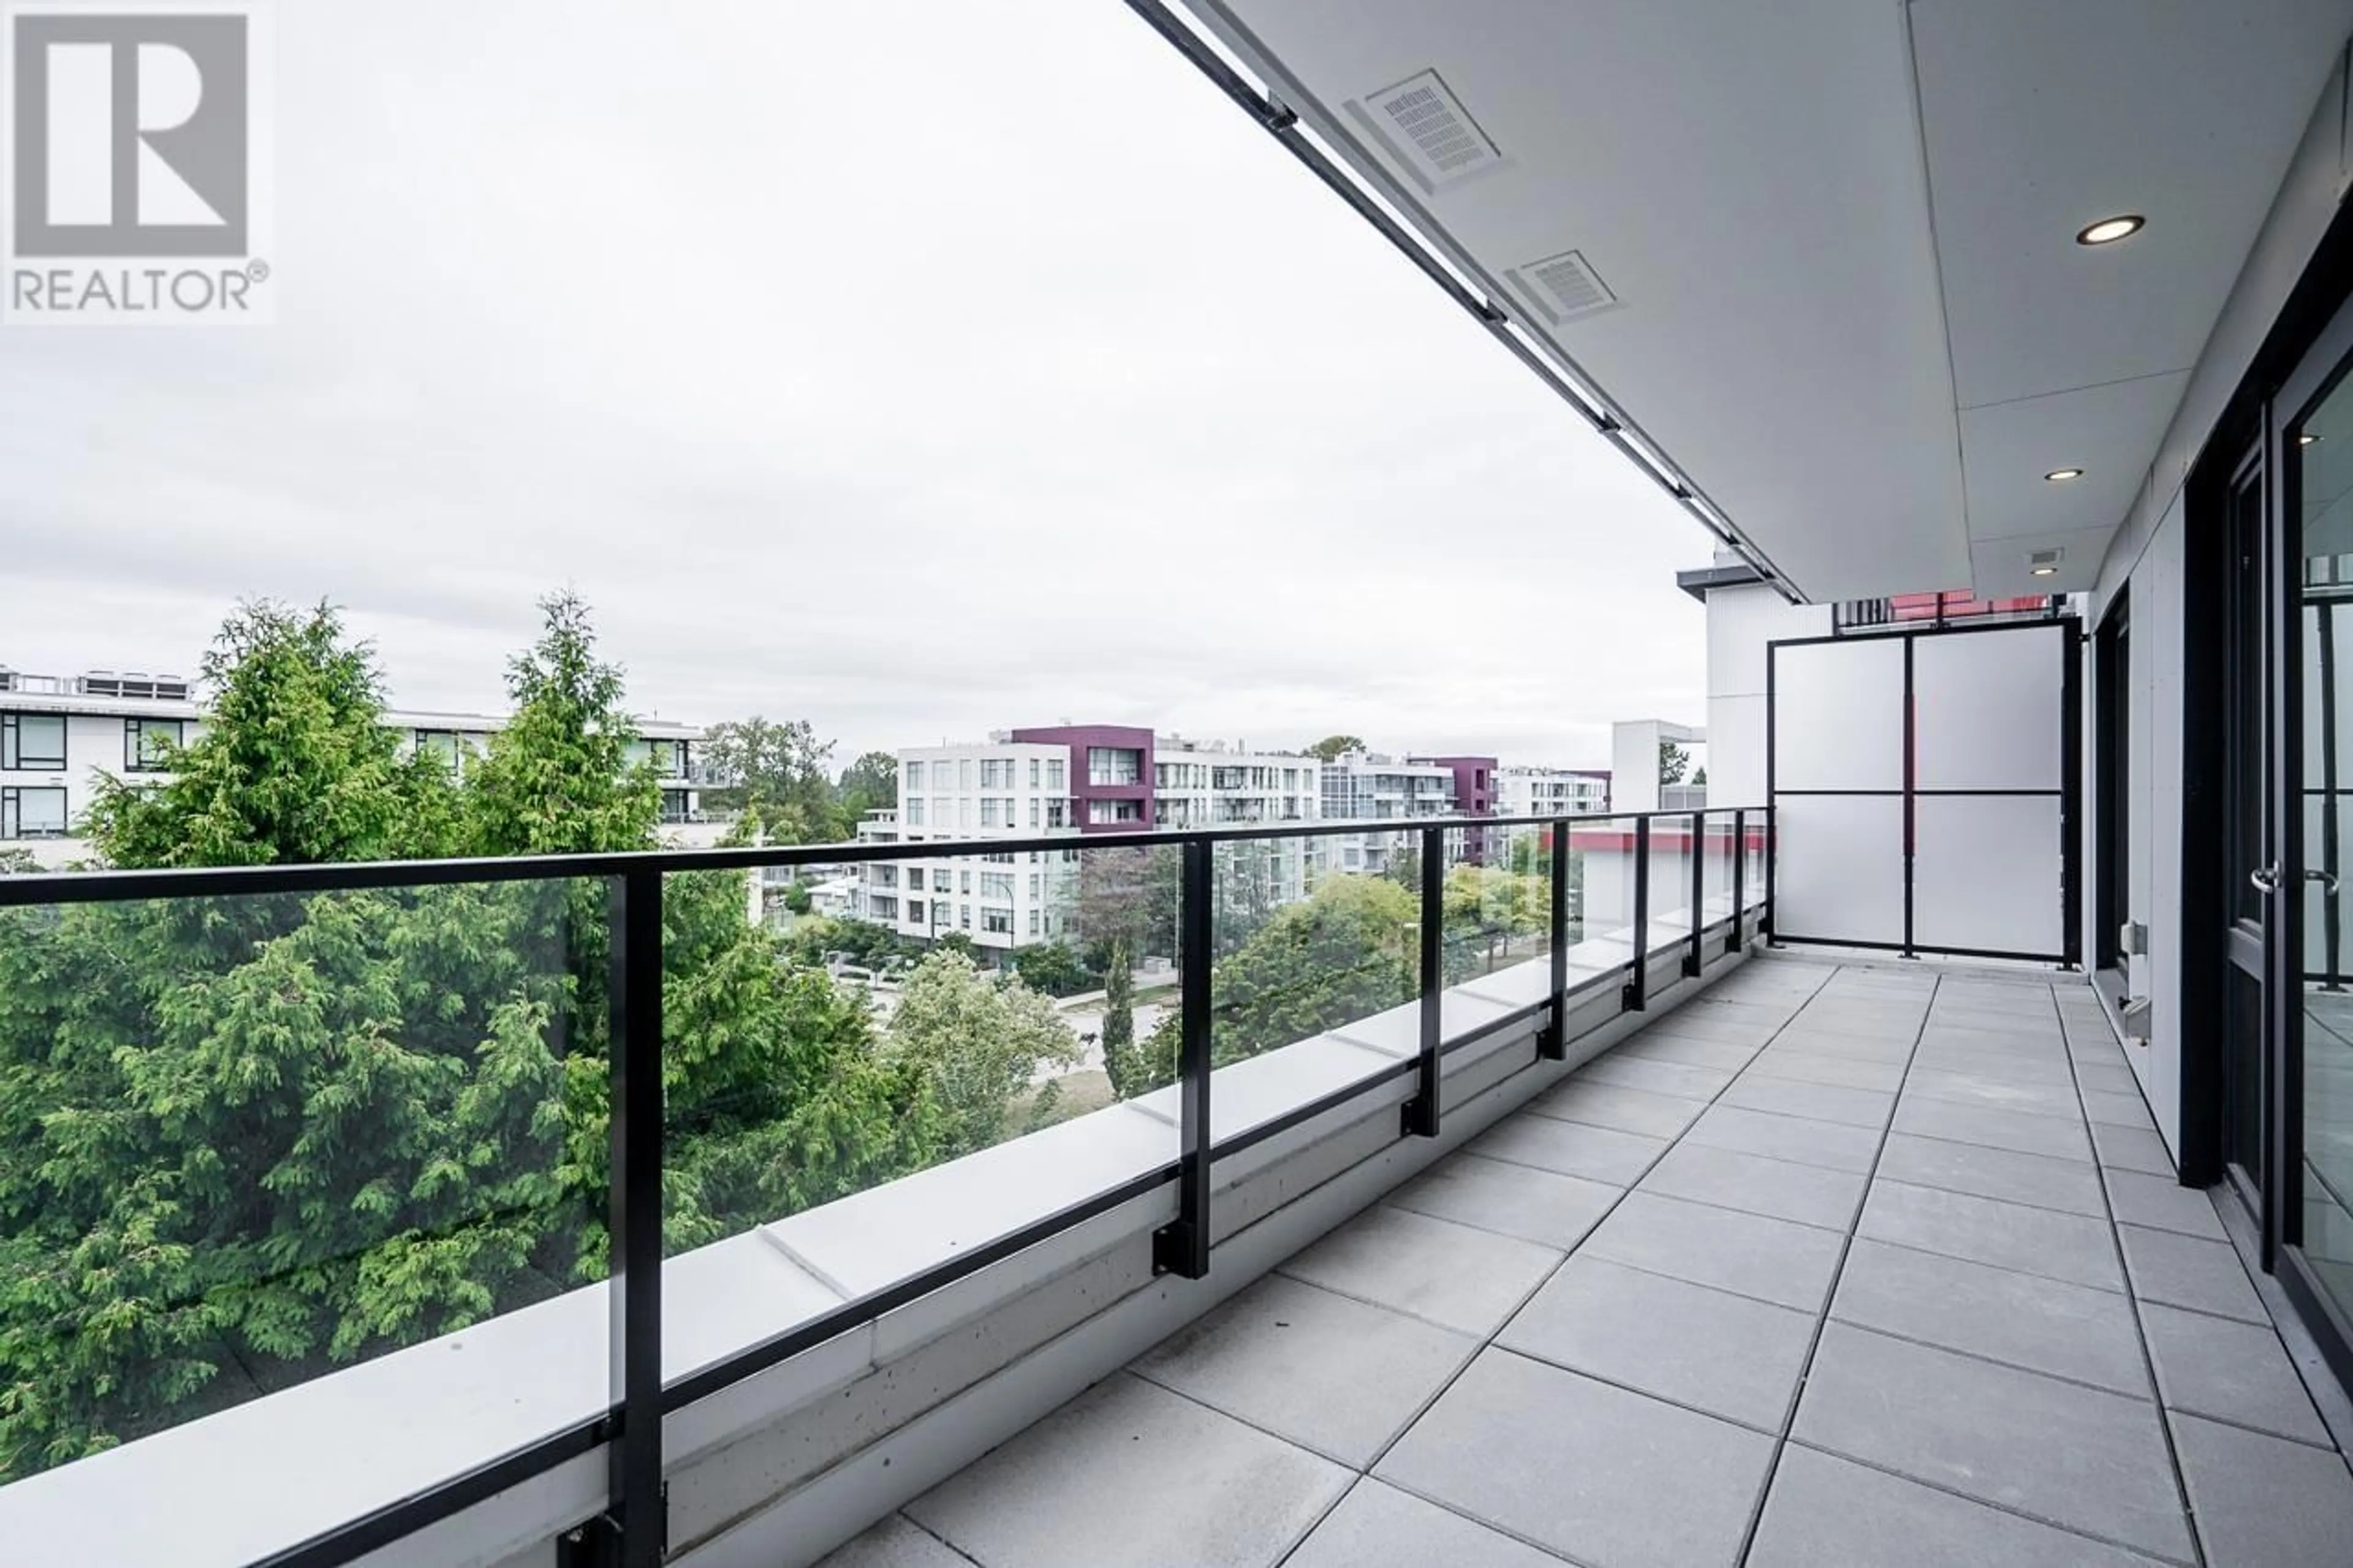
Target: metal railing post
(1182,1248)
(1638,989)
(1421,1111)
(1739,881)
(636,1525)
(1695,961)
(1552,1045)
(1772,853)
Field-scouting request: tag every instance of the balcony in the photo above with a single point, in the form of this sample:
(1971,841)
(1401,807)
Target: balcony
(1524,1241)
(1830,1266)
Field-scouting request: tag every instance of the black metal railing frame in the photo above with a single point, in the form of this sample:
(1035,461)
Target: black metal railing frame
(632,1531)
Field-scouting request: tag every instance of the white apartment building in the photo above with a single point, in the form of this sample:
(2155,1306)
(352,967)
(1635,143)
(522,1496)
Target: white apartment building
(1369,785)
(1090,782)
(1003,789)
(60,734)
(1533,790)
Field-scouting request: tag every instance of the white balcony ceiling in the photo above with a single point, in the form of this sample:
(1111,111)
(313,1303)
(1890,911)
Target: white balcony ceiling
(1842,234)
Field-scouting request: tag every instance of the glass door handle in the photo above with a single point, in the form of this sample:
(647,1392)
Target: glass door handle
(2265,877)
(2328,876)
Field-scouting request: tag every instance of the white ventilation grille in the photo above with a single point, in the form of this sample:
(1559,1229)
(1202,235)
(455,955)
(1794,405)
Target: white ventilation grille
(1426,126)
(2045,557)
(1563,287)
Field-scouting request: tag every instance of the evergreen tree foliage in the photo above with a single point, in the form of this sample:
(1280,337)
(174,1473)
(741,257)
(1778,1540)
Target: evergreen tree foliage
(1119,1018)
(246,1139)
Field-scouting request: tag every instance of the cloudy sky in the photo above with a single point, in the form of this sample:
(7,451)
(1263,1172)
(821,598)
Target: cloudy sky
(917,367)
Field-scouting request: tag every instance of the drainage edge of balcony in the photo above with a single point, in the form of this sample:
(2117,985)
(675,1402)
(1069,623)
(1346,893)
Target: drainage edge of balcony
(260,1478)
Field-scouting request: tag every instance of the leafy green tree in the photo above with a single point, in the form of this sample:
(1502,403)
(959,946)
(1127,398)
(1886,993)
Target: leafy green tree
(796,897)
(1055,969)
(1348,952)
(778,769)
(1673,763)
(1490,913)
(1699,777)
(294,765)
(974,1044)
(1332,748)
(869,783)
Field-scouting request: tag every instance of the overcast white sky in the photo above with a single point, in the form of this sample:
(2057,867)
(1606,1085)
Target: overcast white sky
(916,367)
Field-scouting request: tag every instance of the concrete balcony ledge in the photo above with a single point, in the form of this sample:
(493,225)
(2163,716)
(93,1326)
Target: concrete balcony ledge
(265,1476)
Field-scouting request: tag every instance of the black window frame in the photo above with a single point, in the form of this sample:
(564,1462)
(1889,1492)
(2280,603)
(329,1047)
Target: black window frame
(12,808)
(134,733)
(12,743)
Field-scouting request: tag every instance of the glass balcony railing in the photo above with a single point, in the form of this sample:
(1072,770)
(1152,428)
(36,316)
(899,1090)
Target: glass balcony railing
(526,1156)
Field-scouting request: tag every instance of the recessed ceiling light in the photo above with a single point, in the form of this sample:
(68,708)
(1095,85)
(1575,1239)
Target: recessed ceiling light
(2109,230)
(2046,572)
(2057,476)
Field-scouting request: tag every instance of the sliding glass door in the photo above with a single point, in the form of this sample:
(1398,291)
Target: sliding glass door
(2312,451)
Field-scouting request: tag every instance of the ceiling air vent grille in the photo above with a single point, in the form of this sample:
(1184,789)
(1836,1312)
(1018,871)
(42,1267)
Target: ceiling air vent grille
(1422,121)
(2045,557)
(1563,287)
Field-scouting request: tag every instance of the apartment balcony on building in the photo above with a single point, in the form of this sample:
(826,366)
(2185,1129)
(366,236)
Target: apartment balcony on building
(1931,1146)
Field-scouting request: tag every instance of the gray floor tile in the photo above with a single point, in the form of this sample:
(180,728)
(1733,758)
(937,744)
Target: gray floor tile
(1321,1370)
(1047,1496)
(2132,1149)
(2231,1372)
(1692,1053)
(1598,1104)
(2043,1325)
(1725,1354)
(895,1543)
(2051,1072)
(1571,1148)
(1815,1101)
(1888,1012)
(1771,1259)
(1691,1024)
(1994,1128)
(1713,1003)
(1677,1079)
(1432,1269)
(1825,1143)
(2067,1246)
(1542,1206)
(1987,1040)
(1847,1072)
(2097,1050)
(1377,1526)
(1810,1195)
(2026,1001)
(2116,1110)
(2163,1204)
(2073,1456)
(1827,1512)
(2039,1023)
(2183,1271)
(2003,1173)
(2263,1502)
(2113,1080)
(1870,1047)
(1592,1472)
(1995,1089)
